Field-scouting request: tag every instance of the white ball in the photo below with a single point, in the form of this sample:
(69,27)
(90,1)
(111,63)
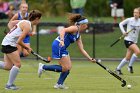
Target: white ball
(129,86)
(99,60)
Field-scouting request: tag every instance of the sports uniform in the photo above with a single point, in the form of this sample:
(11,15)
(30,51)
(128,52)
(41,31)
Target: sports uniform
(58,51)
(20,17)
(9,42)
(130,38)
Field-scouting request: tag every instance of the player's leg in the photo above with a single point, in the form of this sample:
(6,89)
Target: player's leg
(121,13)
(136,51)
(114,14)
(15,60)
(19,50)
(55,55)
(65,62)
(124,61)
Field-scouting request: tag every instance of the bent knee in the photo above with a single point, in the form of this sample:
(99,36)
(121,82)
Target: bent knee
(66,68)
(138,53)
(18,65)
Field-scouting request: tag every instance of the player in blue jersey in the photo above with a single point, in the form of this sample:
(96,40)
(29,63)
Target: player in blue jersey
(67,36)
(23,14)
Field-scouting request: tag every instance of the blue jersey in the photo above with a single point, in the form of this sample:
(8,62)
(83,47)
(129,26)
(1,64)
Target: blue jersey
(58,51)
(20,17)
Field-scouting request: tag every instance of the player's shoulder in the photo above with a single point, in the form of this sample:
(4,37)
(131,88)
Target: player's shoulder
(25,21)
(130,18)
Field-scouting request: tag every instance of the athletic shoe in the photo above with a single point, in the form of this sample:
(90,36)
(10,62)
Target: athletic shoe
(118,72)
(40,69)
(59,86)
(12,87)
(130,69)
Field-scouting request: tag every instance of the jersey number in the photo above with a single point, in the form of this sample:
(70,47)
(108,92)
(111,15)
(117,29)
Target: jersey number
(13,29)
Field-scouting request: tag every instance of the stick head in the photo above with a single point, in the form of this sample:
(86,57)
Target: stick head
(124,83)
(49,58)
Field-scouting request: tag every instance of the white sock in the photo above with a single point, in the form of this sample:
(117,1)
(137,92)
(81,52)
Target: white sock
(123,62)
(12,76)
(133,59)
(1,65)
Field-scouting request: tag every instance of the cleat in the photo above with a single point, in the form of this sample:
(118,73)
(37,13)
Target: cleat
(59,86)
(118,72)
(40,69)
(130,69)
(12,87)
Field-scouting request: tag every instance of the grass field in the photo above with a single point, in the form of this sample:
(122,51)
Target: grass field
(85,77)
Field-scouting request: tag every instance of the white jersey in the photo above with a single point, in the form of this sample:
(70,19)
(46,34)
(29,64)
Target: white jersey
(132,23)
(13,35)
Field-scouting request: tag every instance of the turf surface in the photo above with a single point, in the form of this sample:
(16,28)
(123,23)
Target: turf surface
(85,77)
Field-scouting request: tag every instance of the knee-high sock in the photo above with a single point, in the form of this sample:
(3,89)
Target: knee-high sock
(133,59)
(55,68)
(123,62)
(62,77)
(12,76)
(1,65)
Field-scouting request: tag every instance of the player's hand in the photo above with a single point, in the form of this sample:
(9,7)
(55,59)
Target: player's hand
(125,34)
(33,33)
(29,49)
(93,60)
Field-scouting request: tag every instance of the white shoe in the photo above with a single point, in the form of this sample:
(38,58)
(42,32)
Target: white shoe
(12,87)
(59,86)
(40,69)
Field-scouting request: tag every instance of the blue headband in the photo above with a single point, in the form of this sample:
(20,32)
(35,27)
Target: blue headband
(85,21)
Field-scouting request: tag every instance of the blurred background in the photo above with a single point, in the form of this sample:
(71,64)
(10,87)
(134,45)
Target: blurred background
(102,30)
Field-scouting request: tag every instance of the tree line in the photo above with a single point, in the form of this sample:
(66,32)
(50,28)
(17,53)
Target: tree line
(92,8)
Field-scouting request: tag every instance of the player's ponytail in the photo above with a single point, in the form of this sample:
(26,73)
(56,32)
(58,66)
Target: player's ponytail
(75,18)
(34,14)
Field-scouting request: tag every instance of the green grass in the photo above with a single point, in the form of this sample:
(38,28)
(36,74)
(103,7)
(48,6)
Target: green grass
(85,77)
(103,42)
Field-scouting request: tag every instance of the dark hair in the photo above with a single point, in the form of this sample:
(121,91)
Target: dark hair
(34,14)
(73,18)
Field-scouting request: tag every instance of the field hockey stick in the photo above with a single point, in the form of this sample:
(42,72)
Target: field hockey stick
(98,61)
(47,60)
(122,36)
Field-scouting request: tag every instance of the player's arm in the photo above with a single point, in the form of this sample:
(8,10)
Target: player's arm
(121,25)
(82,50)
(15,17)
(11,24)
(25,30)
(34,27)
(70,29)
(12,21)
